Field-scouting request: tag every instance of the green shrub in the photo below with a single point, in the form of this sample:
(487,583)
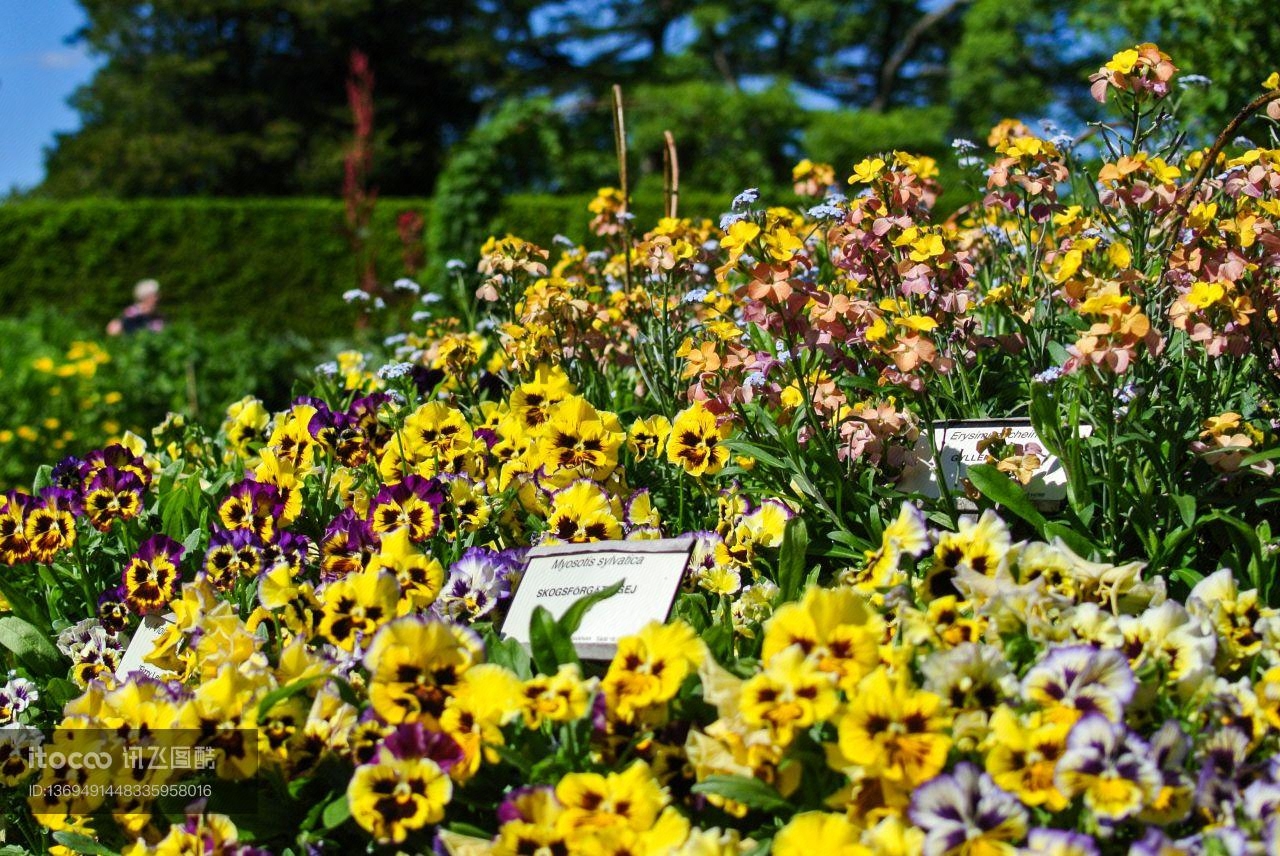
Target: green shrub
(512,147)
(837,136)
(726,139)
(844,137)
(266,265)
(269,266)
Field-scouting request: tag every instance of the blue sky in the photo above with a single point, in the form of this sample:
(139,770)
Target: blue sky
(38,72)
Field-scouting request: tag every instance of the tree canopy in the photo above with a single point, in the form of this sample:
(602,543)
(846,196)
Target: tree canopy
(247,97)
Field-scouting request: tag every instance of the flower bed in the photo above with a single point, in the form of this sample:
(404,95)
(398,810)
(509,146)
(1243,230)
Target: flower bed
(67,390)
(848,667)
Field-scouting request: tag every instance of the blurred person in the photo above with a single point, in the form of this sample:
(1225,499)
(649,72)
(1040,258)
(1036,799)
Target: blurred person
(141,314)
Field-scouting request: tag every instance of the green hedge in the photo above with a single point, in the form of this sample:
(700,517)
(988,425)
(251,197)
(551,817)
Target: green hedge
(225,264)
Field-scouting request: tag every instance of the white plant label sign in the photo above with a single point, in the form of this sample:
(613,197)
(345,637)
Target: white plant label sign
(958,442)
(556,576)
(142,644)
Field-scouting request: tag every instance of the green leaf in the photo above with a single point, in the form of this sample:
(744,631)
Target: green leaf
(469,829)
(287,691)
(1187,576)
(551,641)
(192,541)
(548,644)
(743,447)
(1186,505)
(1259,457)
(78,843)
(44,478)
(791,559)
(509,654)
(1214,846)
(175,508)
(1079,544)
(1003,491)
(692,610)
(30,646)
(59,691)
(719,639)
(515,758)
(1248,533)
(1000,489)
(295,789)
(22,605)
(752,793)
(336,813)
(572,618)
(1171,545)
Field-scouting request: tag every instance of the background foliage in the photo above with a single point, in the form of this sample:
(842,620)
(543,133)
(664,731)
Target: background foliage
(237,98)
(272,266)
(66,390)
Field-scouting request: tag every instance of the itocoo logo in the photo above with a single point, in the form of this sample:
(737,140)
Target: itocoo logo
(40,759)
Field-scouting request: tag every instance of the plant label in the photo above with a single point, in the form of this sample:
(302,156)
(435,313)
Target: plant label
(958,443)
(142,644)
(556,576)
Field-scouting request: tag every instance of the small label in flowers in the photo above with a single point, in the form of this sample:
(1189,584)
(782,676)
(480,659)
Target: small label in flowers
(964,443)
(557,576)
(142,644)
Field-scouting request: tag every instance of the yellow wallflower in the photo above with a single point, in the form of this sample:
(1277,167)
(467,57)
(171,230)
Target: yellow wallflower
(1204,294)
(741,233)
(922,165)
(867,170)
(1123,62)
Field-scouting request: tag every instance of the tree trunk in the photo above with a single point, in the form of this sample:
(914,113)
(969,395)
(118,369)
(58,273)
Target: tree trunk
(892,65)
